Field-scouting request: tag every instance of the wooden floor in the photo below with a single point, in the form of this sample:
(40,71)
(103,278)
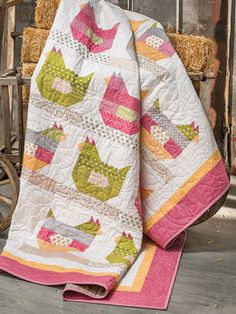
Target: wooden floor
(206,281)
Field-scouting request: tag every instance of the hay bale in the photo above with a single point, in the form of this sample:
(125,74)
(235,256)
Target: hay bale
(27,70)
(196,52)
(33,43)
(45,13)
(25,96)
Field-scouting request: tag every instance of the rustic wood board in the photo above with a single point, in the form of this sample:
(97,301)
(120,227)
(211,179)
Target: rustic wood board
(232,88)
(163,11)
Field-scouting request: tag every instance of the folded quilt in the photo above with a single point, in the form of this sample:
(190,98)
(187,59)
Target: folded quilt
(117,145)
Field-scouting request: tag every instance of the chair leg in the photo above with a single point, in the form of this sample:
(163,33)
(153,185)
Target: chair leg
(6,119)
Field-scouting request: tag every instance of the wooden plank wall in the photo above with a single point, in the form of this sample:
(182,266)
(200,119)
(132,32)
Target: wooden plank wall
(232,87)
(1,33)
(24,18)
(163,11)
(121,3)
(1,24)
(210,18)
(7,26)
(7,22)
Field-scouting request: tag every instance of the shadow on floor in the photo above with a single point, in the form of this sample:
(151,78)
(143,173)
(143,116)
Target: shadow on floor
(214,235)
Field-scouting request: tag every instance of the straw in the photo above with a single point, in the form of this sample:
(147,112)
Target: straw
(196,52)
(33,43)
(27,70)
(45,13)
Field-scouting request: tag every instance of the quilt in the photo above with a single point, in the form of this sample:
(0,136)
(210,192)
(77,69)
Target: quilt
(119,160)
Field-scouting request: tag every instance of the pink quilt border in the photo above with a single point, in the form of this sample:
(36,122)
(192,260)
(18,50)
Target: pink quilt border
(154,295)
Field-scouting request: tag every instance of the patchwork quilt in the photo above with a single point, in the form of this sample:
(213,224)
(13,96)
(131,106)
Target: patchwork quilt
(117,146)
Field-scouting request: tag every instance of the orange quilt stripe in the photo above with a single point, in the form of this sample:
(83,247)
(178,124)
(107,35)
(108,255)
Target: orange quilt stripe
(148,51)
(143,270)
(54,268)
(33,163)
(154,146)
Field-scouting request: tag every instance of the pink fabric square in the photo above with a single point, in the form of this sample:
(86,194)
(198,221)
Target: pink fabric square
(45,234)
(173,148)
(44,155)
(78,245)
